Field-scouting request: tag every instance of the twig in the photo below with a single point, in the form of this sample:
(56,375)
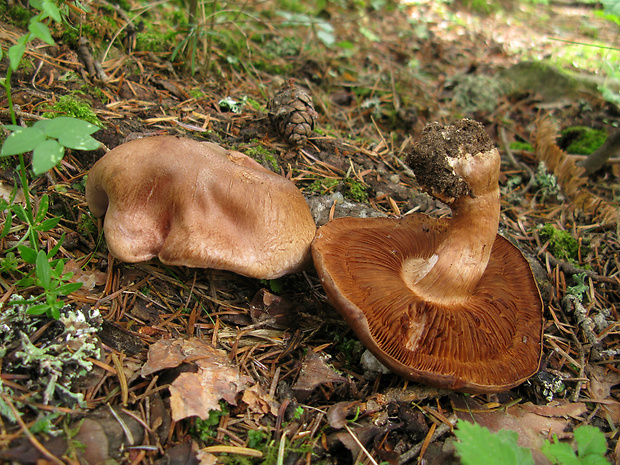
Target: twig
(93,67)
(572,304)
(22,114)
(571,269)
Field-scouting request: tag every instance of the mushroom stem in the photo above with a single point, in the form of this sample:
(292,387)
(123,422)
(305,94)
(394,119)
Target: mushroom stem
(461,258)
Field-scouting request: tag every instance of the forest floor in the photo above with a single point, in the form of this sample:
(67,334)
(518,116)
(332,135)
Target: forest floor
(286,384)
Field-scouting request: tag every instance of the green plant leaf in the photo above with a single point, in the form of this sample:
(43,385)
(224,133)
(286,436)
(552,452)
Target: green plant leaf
(44,205)
(54,311)
(52,10)
(38,309)
(25,282)
(8,222)
(68,288)
(46,155)
(38,4)
(79,141)
(47,224)
(40,30)
(19,212)
(590,441)
(12,127)
(43,270)
(56,248)
(478,445)
(559,452)
(28,254)
(594,460)
(22,140)
(16,52)
(60,265)
(73,133)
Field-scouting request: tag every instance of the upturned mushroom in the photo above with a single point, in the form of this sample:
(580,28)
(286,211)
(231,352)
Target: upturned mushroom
(444,302)
(197,204)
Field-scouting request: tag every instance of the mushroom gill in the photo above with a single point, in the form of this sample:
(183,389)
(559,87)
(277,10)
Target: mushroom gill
(446,302)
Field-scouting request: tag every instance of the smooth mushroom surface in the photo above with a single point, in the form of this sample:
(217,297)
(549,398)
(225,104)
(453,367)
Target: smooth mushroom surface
(445,302)
(197,204)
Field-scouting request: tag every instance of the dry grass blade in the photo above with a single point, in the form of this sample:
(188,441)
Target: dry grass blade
(361,446)
(246,451)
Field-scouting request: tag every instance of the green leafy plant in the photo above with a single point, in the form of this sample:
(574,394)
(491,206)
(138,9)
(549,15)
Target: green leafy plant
(583,140)
(206,430)
(349,187)
(47,139)
(50,277)
(48,272)
(478,445)
(276,285)
(591,448)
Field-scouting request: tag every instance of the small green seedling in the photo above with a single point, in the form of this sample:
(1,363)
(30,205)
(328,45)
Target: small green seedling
(49,276)
(206,429)
(591,448)
(478,445)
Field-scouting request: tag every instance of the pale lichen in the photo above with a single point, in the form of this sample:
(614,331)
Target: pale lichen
(57,360)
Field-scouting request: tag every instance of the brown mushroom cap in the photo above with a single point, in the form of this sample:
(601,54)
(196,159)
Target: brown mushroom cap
(196,204)
(445,302)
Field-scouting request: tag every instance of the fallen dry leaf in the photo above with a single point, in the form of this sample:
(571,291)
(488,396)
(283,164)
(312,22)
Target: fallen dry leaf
(272,309)
(599,388)
(103,436)
(314,372)
(258,401)
(363,433)
(197,393)
(205,458)
(337,414)
(7,191)
(88,278)
(170,353)
(557,408)
(533,428)
(182,454)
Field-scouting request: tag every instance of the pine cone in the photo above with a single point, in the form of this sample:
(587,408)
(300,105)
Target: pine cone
(292,113)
